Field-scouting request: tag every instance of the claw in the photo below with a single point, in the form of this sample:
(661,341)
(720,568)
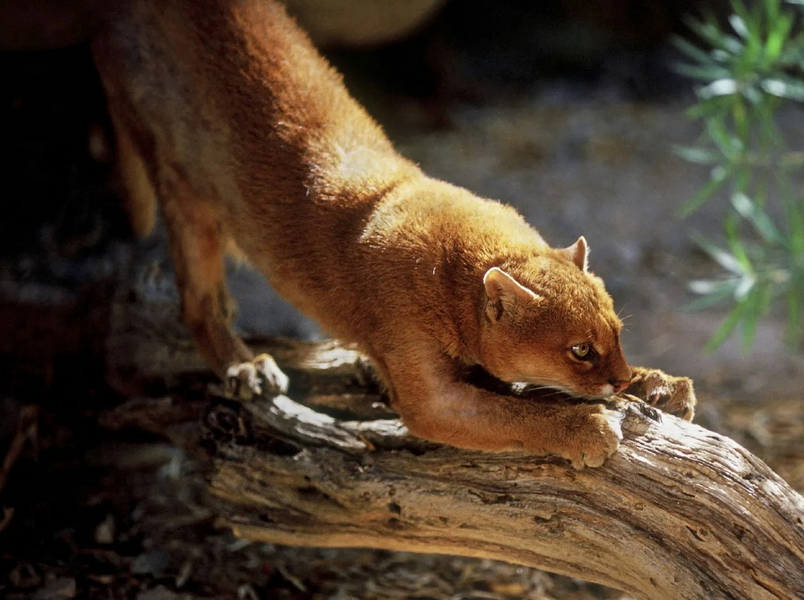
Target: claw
(256,377)
(670,394)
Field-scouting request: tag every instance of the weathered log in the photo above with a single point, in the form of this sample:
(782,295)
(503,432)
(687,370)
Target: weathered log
(679,512)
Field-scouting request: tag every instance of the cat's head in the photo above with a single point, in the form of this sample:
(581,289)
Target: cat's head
(553,324)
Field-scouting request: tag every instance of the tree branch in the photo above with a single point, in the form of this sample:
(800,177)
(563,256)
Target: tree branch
(679,512)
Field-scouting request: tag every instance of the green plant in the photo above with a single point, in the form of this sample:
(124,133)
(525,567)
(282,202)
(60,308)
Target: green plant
(746,71)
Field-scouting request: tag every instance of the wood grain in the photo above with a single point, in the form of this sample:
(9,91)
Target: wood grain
(679,512)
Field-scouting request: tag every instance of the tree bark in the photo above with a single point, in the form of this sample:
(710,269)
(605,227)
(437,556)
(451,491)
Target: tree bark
(679,512)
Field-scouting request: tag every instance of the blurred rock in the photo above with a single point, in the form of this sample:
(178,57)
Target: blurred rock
(361,22)
(63,587)
(153,562)
(104,532)
(158,593)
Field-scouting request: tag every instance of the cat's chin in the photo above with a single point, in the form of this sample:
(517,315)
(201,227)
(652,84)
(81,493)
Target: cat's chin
(607,391)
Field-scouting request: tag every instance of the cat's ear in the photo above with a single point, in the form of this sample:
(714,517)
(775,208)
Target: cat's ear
(578,253)
(504,293)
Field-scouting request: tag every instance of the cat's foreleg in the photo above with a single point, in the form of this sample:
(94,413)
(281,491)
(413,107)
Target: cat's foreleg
(435,404)
(674,395)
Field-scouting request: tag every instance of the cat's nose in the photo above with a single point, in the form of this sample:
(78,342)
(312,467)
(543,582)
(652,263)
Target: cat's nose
(618,385)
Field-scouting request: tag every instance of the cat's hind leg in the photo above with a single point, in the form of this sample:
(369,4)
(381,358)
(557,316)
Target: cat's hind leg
(197,243)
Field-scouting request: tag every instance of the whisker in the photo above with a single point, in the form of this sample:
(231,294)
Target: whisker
(554,390)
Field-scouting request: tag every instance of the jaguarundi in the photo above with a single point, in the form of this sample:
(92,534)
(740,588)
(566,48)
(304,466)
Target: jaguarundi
(224,113)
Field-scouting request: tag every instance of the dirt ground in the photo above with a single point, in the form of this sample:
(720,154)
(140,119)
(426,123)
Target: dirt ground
(91,513)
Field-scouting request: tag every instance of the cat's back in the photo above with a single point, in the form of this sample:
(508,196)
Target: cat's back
(440,221)
(189,68)
(234,93)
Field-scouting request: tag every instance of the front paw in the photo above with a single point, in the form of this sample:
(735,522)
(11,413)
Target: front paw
(674,395)
(255,377)
(593,439)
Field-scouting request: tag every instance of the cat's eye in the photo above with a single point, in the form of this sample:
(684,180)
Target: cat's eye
(583,351)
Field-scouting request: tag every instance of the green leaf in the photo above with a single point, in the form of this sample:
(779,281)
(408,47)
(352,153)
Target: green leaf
(776,38)
(713,287)
(792,53)
(771,10)
(749,18)
(751,56)
(726,329)
(794,219)
(728,142)
(784,87)
(752,94)
(755,215)
(719,177)
(693,51)
(745,287)
(725,86)
(716,37)
(747,72)
(705,72)
(738,24)
(756,305)
(700,156)
(738,251)
(720,256)
(712,292)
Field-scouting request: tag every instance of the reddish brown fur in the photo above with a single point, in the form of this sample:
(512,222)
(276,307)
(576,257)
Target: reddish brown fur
(226,112)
